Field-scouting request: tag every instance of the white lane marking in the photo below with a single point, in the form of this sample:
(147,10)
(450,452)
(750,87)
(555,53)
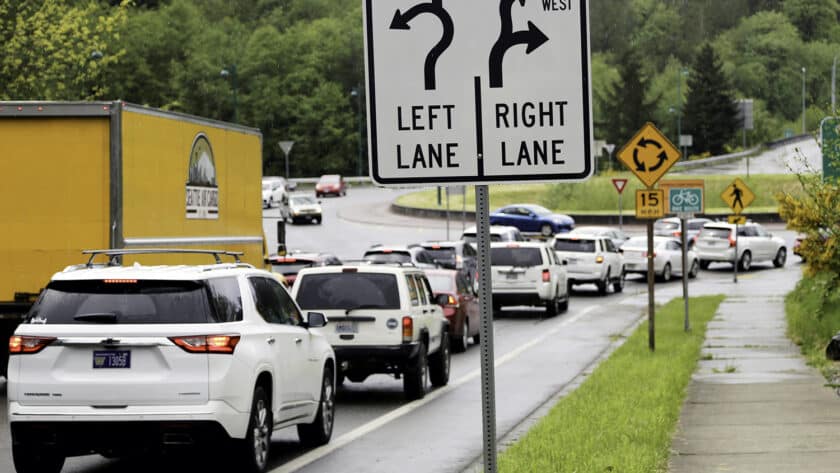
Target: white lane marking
(365,429)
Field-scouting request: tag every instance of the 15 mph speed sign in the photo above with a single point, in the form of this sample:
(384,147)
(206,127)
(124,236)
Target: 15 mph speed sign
(477,91)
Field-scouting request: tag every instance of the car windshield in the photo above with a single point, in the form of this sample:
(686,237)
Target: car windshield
(291,266)
(441,282)
(666,225)
(126,301)
(303,200)
(387,257)
(722,233)
(347,290)
(521,257)
(266,186)
(576,245)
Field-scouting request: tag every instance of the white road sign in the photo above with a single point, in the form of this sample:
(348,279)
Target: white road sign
(478,91)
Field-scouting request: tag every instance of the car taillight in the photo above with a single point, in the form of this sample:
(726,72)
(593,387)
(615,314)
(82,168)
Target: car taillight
(23,344)
(546,275)
(408,328)
(451,301)
(677,233)
(731,242)
(599,259)
(645,253)
(207,343)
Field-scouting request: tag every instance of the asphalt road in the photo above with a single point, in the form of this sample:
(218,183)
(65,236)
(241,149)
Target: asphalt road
(536,358)
(800,157)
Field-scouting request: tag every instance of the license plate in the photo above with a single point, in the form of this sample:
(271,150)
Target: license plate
(112,359)
(512,275)
(572,260)
(345,327)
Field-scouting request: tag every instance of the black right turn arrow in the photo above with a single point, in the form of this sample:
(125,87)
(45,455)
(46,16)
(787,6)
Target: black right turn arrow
(533,37)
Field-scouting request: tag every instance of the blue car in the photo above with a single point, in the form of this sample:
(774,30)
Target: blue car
(530,218)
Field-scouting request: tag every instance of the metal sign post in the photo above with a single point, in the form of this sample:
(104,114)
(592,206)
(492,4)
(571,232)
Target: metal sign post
(488,376)
(651,279)
(735,257)
(684,238)
(286,146)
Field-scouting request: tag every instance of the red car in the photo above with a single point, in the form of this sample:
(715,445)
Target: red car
(330,184)
(461,309)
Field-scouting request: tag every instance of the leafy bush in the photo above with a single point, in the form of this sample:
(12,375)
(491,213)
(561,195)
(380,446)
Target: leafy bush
(813,316)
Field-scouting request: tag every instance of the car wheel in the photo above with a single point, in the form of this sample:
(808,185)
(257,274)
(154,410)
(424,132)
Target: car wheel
(666,272)
(746,261)
(463,341)
(781,257)
(320,430)
(343,193)
(704,264)
(618,286)
(695,268)
(30,459)
(257,443)
(603,283)
(414,378)
(439,362)
(317,221)
(546,230)
(564,305)
(551,308)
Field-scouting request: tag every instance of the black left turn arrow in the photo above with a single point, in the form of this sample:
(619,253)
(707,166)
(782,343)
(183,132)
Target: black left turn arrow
(533,38)
(435,7)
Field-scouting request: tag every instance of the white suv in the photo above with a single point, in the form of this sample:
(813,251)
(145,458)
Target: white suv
(528,273)
(591,259)
(120,360)
(716,242)
(386,320)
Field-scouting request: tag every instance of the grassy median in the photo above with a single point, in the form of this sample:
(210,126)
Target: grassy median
(813,316)
(622,417)
(597,195)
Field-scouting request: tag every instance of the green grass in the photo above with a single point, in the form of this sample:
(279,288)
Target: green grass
(813,317)
(622,417)
(597,195)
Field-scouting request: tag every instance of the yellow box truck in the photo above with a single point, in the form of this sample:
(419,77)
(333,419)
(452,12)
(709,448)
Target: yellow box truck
(94,175)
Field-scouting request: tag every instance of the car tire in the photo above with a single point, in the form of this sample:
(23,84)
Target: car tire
(460,343)
(440,362)
(618,285)
(343,193)
(546,230)
(254,450)
(320,430)
(563,306)
(603,284)
(415,376)
(316,221)
(551,307)
(704,264)
(339,379)
(35,460)
(666,272)
(781,257)
(477,338)
(745,263)
(694,270)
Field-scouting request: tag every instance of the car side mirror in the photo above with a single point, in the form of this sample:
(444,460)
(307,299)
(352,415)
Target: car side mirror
(292,186)
(319,202)
(564,262)
(441,299)
(315,320)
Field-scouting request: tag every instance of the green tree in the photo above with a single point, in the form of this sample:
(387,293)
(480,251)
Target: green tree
(815,19)
(57,50)
(627,106)
(710,113)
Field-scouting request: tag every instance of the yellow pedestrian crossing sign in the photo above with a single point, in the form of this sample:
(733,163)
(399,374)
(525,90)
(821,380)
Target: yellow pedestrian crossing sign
(649,154)
(737,196)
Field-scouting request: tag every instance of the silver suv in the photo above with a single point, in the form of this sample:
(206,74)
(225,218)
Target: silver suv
(385,319)
(716,243)
(528,273)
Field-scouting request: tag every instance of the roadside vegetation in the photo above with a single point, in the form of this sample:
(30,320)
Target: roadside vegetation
(813,308)
(598,196)
(623,416)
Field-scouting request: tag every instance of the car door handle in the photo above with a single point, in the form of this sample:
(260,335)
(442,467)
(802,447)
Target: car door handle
(425,311)
(270,340)
(298,340)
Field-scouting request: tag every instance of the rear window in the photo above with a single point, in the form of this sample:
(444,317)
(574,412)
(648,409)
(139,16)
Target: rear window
(522,257)
(666,225)
(722,233)
(387,258)
(578,246)
(348,290)
(471,238)
(441,254)
(136,302)
(441,282)
(290,267)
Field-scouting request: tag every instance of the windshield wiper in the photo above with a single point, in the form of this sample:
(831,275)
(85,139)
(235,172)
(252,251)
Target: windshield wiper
(362,306)
(97,317)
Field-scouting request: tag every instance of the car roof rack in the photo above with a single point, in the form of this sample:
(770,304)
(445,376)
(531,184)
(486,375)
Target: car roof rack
(114,253)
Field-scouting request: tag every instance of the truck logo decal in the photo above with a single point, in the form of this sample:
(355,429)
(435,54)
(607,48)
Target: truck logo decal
(202,190)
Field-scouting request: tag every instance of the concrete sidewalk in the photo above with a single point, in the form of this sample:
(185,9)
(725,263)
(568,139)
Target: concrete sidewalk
(753,404)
